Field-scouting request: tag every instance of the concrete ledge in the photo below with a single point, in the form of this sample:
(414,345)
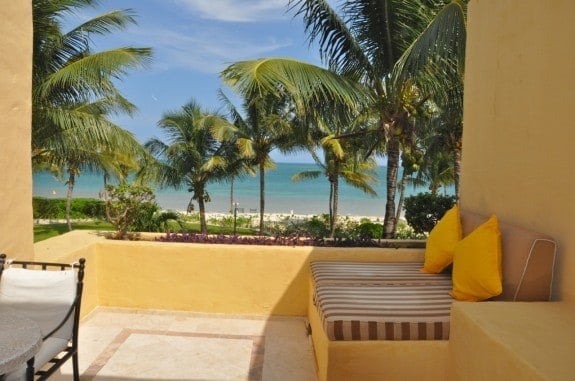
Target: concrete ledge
(512,341)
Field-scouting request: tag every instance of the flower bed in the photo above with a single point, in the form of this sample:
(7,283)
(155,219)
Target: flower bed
(292,240)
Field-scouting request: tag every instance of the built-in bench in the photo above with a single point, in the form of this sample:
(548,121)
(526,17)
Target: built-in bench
(500,341)
(381,301)
(390,321)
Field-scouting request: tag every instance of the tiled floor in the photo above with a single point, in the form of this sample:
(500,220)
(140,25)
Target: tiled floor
(121,344)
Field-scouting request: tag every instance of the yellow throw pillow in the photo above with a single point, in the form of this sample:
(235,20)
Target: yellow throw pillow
(477,264)
(441,242)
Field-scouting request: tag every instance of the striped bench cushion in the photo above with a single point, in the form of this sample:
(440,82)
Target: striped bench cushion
(372,312)
(384,274)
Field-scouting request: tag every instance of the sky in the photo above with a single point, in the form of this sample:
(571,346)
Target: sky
(192,42)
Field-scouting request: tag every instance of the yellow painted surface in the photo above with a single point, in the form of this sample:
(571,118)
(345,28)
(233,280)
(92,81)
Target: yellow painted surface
(319,339)
(254,280)
(518,120)
(208,278)
(518,139)
(16,237)
(232,279)
(367,254)
(501,341)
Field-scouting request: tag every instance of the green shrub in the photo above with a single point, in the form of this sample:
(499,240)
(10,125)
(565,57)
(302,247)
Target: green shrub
(404,231)
(55,208)
(317,227)
(129,205)
(90,207)
(228,221)
(369,230)
(149,218)
(424,210)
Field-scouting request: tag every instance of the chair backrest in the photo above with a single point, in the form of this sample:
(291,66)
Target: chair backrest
(51,298)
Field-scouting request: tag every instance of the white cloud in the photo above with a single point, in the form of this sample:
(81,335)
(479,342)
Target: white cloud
(207,45)
(208,51)
(238,10)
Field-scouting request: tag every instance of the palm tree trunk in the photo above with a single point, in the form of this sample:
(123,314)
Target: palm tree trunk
(457,168)
(331,207)
(202,208)
(402,184)
(262,195)
(232,194)
(335,202)
(71,180)
(105,198)
(392,168)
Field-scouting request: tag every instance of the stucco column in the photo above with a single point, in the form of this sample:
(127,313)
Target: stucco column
(518,130)
(16,224)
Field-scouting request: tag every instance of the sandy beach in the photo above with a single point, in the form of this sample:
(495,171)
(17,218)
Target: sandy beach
(277,217)
(270,217)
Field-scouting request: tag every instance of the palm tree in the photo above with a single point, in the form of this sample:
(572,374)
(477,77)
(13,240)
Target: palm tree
(382,44)
(351,167)
(73,89)
(443,142)
(95,160)
(265,127)
(280,96)
(342,158)
(73,93)
(192,155)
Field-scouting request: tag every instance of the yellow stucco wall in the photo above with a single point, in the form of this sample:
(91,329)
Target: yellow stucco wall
(231,279)
(519,130)
(15,87)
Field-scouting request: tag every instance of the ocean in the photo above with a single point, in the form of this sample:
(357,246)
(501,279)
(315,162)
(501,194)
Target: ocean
(282,194)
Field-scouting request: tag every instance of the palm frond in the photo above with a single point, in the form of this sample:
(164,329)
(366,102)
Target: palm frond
(306,84)
(438,53)
(306,175)
(339,48)
(85,75)
(333,144)
(360,181)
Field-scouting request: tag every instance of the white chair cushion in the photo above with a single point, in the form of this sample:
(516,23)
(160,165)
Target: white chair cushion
(50,348)
(43,296)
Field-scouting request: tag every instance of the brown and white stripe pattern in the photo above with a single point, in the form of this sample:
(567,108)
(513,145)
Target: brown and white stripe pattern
(370,273)
(372,312)
(381,301)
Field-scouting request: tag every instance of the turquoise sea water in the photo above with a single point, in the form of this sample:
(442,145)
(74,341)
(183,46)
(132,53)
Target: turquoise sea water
(282,194)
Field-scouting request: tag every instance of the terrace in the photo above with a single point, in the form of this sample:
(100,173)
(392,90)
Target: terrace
(210,312)
(171,345)
(252,300)
(516,164)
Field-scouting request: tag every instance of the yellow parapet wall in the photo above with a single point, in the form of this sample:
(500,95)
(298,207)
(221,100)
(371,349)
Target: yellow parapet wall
(230,279)
(250,280)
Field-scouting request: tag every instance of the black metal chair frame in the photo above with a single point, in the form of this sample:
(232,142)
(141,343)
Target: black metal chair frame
(72,349)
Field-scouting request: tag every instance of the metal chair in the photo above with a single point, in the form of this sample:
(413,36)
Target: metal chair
(52,299)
